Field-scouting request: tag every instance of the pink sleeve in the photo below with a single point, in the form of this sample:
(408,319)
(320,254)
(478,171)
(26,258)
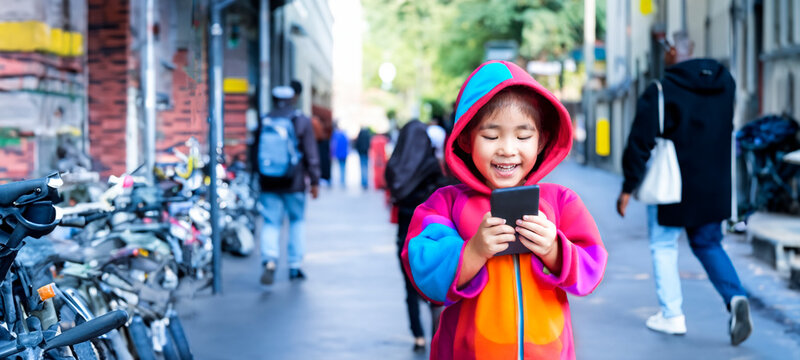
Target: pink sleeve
(582,252)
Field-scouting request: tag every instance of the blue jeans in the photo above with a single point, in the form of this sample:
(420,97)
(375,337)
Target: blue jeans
(705,241)
(342,171)
(276,205)
(364,170)
(664,250)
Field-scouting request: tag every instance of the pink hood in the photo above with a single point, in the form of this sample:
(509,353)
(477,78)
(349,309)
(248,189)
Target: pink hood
(486,81)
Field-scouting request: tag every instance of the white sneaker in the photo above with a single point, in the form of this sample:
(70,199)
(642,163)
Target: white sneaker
(675,325)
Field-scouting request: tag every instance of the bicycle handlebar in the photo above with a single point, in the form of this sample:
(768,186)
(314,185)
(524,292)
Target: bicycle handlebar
(88,330)
(27,191)
(81,221)
(80,333)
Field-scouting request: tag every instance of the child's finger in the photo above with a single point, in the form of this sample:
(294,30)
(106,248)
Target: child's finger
(530,225)
(496,248)
(493,221)
(530,235)
(540,219)
(531,245)
(506,238)
(502,229)
(535,236)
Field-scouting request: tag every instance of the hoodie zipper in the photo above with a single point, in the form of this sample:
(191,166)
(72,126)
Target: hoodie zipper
(520,324)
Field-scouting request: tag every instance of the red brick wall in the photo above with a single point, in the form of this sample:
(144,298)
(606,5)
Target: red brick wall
(189,115)
(235,125)
(17,161)
(109,59)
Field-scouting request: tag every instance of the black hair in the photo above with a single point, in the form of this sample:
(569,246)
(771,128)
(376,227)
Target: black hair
(297,87)
(525,100)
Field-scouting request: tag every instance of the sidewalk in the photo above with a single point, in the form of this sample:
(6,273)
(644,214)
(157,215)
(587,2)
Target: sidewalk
(352,305)
(626,297)
(768,288)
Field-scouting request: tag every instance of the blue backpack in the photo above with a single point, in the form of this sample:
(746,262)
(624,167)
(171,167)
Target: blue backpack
(278,155)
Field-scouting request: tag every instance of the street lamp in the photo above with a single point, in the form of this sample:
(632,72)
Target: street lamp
(387,72)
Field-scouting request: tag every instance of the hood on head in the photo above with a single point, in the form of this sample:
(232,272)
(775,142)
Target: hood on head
(413,160)
(486,81)
(702,76)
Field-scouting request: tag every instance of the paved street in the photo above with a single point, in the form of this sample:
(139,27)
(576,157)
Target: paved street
(352,305)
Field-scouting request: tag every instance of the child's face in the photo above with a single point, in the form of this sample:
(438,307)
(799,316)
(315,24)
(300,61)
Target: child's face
(504,146)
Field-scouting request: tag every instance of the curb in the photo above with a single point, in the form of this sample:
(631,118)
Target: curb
(767,289)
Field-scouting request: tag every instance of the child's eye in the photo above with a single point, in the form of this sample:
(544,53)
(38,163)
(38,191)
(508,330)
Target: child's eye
(524,137)
(489,137)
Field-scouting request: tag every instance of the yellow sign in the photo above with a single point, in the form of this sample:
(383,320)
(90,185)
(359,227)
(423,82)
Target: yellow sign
(603,137)
(30,36)
(646,7)
(234,85)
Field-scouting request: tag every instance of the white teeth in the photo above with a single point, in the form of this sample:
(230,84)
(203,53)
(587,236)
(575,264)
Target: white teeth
(505,167)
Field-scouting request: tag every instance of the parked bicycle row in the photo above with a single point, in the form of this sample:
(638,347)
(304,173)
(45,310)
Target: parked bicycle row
(95,272)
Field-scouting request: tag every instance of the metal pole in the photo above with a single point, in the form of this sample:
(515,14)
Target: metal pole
(215,131)
(149,89)
(588,56)
(264,24)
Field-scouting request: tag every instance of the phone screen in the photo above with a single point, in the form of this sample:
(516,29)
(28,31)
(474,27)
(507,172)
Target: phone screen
(511,204)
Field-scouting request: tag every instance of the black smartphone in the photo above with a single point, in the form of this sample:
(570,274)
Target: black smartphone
(511,204)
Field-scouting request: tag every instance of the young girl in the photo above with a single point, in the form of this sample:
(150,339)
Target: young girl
(509,131)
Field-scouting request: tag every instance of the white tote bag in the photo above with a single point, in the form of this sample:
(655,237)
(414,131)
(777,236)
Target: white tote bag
(662,180)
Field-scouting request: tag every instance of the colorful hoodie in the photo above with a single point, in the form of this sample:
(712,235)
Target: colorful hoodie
(512,297)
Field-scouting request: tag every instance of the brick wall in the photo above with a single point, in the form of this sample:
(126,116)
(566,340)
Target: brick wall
(32,86)
(17,161)
(189,113)
(109,59)
(235,125)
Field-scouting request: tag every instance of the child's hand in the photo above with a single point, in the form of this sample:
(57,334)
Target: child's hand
(539,236)
(492,237)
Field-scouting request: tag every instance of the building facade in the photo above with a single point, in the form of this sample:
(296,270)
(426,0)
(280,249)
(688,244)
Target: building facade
(758,40)
(79,69)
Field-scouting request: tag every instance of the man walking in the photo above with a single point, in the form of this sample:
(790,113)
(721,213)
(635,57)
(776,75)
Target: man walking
(362,146)
(340,147)
(284,195)
(698,117)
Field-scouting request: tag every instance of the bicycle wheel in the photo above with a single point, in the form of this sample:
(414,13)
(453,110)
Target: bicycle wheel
(181,343)
(169,350)
(142,342)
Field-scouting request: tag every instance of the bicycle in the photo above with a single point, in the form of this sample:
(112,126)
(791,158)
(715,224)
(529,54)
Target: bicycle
(771,181)
(30,325)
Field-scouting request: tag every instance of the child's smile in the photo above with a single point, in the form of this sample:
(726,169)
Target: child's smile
(505,169)
(505,145)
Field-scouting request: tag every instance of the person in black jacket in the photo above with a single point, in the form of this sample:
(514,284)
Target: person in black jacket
(698,118)
(412,174)
(362,146)
(282,197)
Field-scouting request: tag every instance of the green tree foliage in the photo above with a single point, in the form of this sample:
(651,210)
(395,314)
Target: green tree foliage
(436,44)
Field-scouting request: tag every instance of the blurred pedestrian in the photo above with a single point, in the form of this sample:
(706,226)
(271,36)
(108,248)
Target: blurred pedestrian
(437,135)
(362,147)
(323,130)
(510,131)
(698,117)
(284,196)
(412,174)
(377,152)
(340,148)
